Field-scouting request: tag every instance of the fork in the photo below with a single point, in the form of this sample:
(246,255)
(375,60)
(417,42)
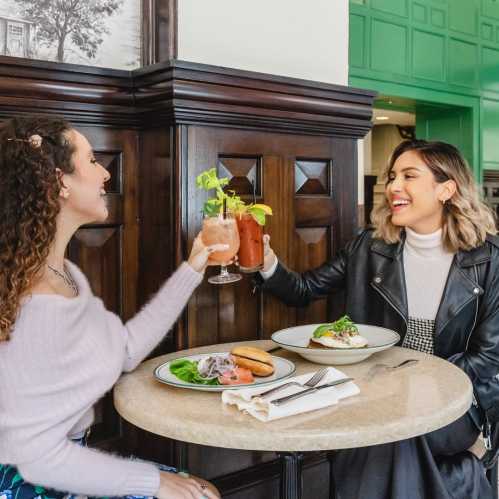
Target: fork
(308,391)
(377,367)
(309,384)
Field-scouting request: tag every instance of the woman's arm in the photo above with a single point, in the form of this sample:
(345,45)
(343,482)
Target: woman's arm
(146,329)
(69,467)
(480,360)
(299,290)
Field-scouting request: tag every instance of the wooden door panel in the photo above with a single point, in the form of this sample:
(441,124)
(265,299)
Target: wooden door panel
(316,219)
(312,248)
(304,179)
(98,252)
(107,252)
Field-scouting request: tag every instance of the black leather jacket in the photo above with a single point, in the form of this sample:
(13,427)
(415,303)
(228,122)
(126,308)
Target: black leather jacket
(371,274)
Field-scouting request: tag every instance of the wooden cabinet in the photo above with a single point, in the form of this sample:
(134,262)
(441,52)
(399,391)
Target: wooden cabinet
(309,182)
(291,142)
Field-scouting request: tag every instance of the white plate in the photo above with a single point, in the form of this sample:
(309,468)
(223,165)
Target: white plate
(297,338)
(283,368)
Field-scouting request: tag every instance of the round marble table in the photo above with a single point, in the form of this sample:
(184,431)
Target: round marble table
(391,406)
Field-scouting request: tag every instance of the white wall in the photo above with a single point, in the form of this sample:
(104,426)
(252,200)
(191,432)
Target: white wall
(298,38)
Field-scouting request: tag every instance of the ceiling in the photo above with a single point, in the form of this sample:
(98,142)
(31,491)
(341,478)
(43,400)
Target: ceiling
(394,117)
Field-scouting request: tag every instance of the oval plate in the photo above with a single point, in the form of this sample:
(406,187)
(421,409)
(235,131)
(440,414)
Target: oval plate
(296,339)
(283,368)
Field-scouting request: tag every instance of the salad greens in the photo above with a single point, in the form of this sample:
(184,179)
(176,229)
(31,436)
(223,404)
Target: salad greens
(187,370)
(342,325)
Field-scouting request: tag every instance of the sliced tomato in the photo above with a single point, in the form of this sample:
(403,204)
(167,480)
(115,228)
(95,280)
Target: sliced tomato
(237,376)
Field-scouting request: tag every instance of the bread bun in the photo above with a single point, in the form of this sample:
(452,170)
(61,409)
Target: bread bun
(258,361)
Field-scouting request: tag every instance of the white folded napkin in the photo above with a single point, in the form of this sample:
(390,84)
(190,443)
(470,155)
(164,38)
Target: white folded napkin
(262,409)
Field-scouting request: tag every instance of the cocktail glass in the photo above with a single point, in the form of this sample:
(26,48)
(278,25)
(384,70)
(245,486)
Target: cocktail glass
(251,244)
(222,230)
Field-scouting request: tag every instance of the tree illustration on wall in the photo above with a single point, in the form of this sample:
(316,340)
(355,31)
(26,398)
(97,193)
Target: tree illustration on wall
(80,21)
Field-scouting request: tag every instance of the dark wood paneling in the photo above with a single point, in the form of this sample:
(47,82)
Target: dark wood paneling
(305,229)
(182,92)
(108,252)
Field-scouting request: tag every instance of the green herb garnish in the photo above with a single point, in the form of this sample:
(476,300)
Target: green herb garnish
(187,370)
(208,180)
(342,325)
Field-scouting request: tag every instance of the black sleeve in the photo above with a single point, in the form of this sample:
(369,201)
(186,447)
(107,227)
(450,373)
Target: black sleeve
(299,290)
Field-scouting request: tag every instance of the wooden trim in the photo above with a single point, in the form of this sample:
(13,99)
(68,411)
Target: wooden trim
(148,32)
(159,31)
(179,92)
(166,30)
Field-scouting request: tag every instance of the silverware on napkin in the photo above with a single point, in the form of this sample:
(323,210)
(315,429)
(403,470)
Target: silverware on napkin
(294,396)
(316,378)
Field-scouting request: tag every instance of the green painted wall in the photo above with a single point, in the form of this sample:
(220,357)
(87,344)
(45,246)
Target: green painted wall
(434,51)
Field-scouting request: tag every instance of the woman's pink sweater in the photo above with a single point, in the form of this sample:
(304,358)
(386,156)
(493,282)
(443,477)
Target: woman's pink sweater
(64,355)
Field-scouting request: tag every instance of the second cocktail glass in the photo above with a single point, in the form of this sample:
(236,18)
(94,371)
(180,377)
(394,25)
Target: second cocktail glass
(222,230)
(251,243)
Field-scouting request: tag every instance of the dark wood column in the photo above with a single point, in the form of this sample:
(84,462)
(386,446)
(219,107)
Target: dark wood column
(156,128)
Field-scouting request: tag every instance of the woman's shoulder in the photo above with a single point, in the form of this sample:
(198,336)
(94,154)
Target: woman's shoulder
(492,245)
(493,240)
(364,238)
(487,252)
(42,299)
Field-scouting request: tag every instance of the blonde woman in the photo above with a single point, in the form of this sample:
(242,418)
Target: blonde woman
(60,349)
(430,270)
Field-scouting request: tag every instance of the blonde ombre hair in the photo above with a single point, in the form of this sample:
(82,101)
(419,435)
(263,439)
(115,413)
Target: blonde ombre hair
(467,219)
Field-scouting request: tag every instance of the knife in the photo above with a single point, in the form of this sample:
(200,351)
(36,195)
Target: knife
(298,395)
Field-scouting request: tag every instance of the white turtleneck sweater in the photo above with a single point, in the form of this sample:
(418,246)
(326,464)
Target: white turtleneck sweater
(426,267)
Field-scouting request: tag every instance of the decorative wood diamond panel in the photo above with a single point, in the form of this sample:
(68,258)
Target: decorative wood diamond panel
(312,177)
(312,236)
(112,162)
(244,174)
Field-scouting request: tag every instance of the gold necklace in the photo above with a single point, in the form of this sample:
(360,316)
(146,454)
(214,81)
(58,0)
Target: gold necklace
(68,280)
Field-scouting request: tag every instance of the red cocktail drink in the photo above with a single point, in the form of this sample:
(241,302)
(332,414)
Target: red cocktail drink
(251,244)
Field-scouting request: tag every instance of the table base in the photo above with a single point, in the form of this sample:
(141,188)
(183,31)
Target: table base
(291,475)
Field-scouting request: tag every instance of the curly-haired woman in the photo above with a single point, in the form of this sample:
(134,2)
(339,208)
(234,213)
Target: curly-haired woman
(429,270)
(60,349)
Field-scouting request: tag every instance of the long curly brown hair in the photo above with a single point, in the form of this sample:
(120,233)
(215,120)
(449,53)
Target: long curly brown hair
(31,150)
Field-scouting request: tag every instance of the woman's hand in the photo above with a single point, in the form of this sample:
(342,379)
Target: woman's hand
(199,258)
(269,257)
(183,486)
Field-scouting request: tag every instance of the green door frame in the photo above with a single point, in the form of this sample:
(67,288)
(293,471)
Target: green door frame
(435,97)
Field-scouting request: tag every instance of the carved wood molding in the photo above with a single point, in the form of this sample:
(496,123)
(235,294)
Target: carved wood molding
(159,30)
(179,92)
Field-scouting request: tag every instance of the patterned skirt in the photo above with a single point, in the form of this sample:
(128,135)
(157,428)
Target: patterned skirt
(13,486)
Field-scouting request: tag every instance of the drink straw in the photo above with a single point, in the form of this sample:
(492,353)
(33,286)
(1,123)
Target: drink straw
(254,191)
(224,212)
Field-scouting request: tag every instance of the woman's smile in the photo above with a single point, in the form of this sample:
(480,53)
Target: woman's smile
(398,204)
